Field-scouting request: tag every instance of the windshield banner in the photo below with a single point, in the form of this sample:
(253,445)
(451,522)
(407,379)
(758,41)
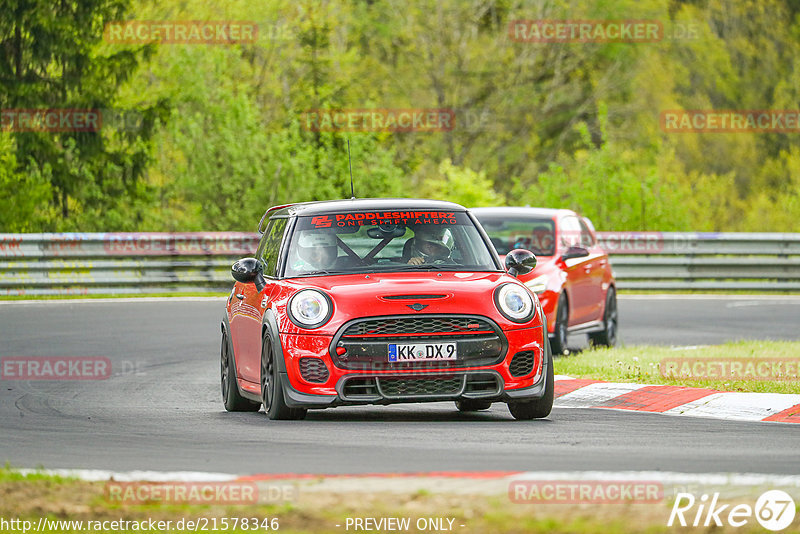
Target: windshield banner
(373,218)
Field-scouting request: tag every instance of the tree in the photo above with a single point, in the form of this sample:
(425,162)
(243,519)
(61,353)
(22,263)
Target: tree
(50,59)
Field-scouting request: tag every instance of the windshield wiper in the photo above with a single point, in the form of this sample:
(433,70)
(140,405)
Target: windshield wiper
(428,266)
(322,271)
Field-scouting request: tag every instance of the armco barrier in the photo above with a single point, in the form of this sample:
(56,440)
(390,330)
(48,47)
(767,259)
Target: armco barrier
(120,263)
(123,263)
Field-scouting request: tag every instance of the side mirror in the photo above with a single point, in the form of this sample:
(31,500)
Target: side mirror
(575,252)
(248,270)
(520,261)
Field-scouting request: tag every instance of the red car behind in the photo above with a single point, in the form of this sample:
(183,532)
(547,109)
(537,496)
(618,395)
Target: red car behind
(573,276)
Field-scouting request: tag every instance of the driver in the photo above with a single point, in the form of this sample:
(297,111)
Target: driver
(428,244)
(315,250)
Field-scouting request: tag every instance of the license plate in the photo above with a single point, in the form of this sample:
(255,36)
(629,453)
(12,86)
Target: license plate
(417,352)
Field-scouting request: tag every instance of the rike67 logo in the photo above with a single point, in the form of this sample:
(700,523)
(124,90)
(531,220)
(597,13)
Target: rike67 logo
(774,510)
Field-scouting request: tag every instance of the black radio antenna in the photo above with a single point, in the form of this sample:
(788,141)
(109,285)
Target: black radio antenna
(350,162)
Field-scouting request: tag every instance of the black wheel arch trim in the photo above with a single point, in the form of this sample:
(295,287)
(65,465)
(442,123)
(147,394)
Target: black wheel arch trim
(537,390)
(292,397)
(225,326)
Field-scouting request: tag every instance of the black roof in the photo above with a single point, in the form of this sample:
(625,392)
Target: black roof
(366,204)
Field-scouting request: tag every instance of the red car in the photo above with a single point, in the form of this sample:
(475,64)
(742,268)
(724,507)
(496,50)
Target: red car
(381,301)
(573,277)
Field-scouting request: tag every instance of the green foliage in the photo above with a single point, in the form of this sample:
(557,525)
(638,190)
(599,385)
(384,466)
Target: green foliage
(21,196)
(50,59)
(461,185)
(613,185)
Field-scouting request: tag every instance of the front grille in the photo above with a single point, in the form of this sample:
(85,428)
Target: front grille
(480,342)
(313,370)
(415,326)
(521,364)
(418,387)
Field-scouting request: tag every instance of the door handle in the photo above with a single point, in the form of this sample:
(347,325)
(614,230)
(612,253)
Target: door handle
(239,296)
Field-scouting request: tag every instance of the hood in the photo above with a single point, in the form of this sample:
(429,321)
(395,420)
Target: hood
(380,294)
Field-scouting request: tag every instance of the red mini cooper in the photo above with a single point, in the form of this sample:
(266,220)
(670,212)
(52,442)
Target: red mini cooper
(573,278)
(382,301)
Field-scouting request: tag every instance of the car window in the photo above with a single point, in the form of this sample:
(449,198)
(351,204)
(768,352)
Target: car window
(532,233)
(386,241)
(270,246)
(569,231)
(587,238)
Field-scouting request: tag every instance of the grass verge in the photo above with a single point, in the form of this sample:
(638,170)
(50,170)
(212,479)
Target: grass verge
(30,498)
(649,364)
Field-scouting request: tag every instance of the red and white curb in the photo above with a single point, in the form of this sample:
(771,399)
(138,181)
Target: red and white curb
(677,400)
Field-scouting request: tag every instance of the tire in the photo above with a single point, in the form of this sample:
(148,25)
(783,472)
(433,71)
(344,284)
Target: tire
(272,387)
(231,398)
(608,336)
(472,405)
(539,408)
(558,341)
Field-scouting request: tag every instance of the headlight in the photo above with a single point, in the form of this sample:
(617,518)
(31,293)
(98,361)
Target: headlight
(309,308)
(514,302)
(539,284)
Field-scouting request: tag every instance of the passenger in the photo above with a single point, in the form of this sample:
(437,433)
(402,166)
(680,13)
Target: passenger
(316,251)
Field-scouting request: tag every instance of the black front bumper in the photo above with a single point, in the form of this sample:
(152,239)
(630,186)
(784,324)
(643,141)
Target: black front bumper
(360,389)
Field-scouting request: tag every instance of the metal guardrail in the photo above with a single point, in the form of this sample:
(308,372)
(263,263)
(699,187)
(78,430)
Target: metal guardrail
(704,261)
(120,263)
(128,263)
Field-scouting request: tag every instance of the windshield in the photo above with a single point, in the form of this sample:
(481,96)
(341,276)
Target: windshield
(508,233)
(386,241)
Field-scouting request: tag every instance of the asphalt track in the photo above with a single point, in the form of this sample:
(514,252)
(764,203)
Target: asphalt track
(161,409)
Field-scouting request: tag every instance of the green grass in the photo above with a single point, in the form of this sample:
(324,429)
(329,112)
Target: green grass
(33,496)
(641,364)
(29,497)
(7,474)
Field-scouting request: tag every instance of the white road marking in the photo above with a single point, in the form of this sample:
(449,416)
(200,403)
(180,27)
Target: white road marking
(737,406)
(708,296)
(95,475)
(595,394)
